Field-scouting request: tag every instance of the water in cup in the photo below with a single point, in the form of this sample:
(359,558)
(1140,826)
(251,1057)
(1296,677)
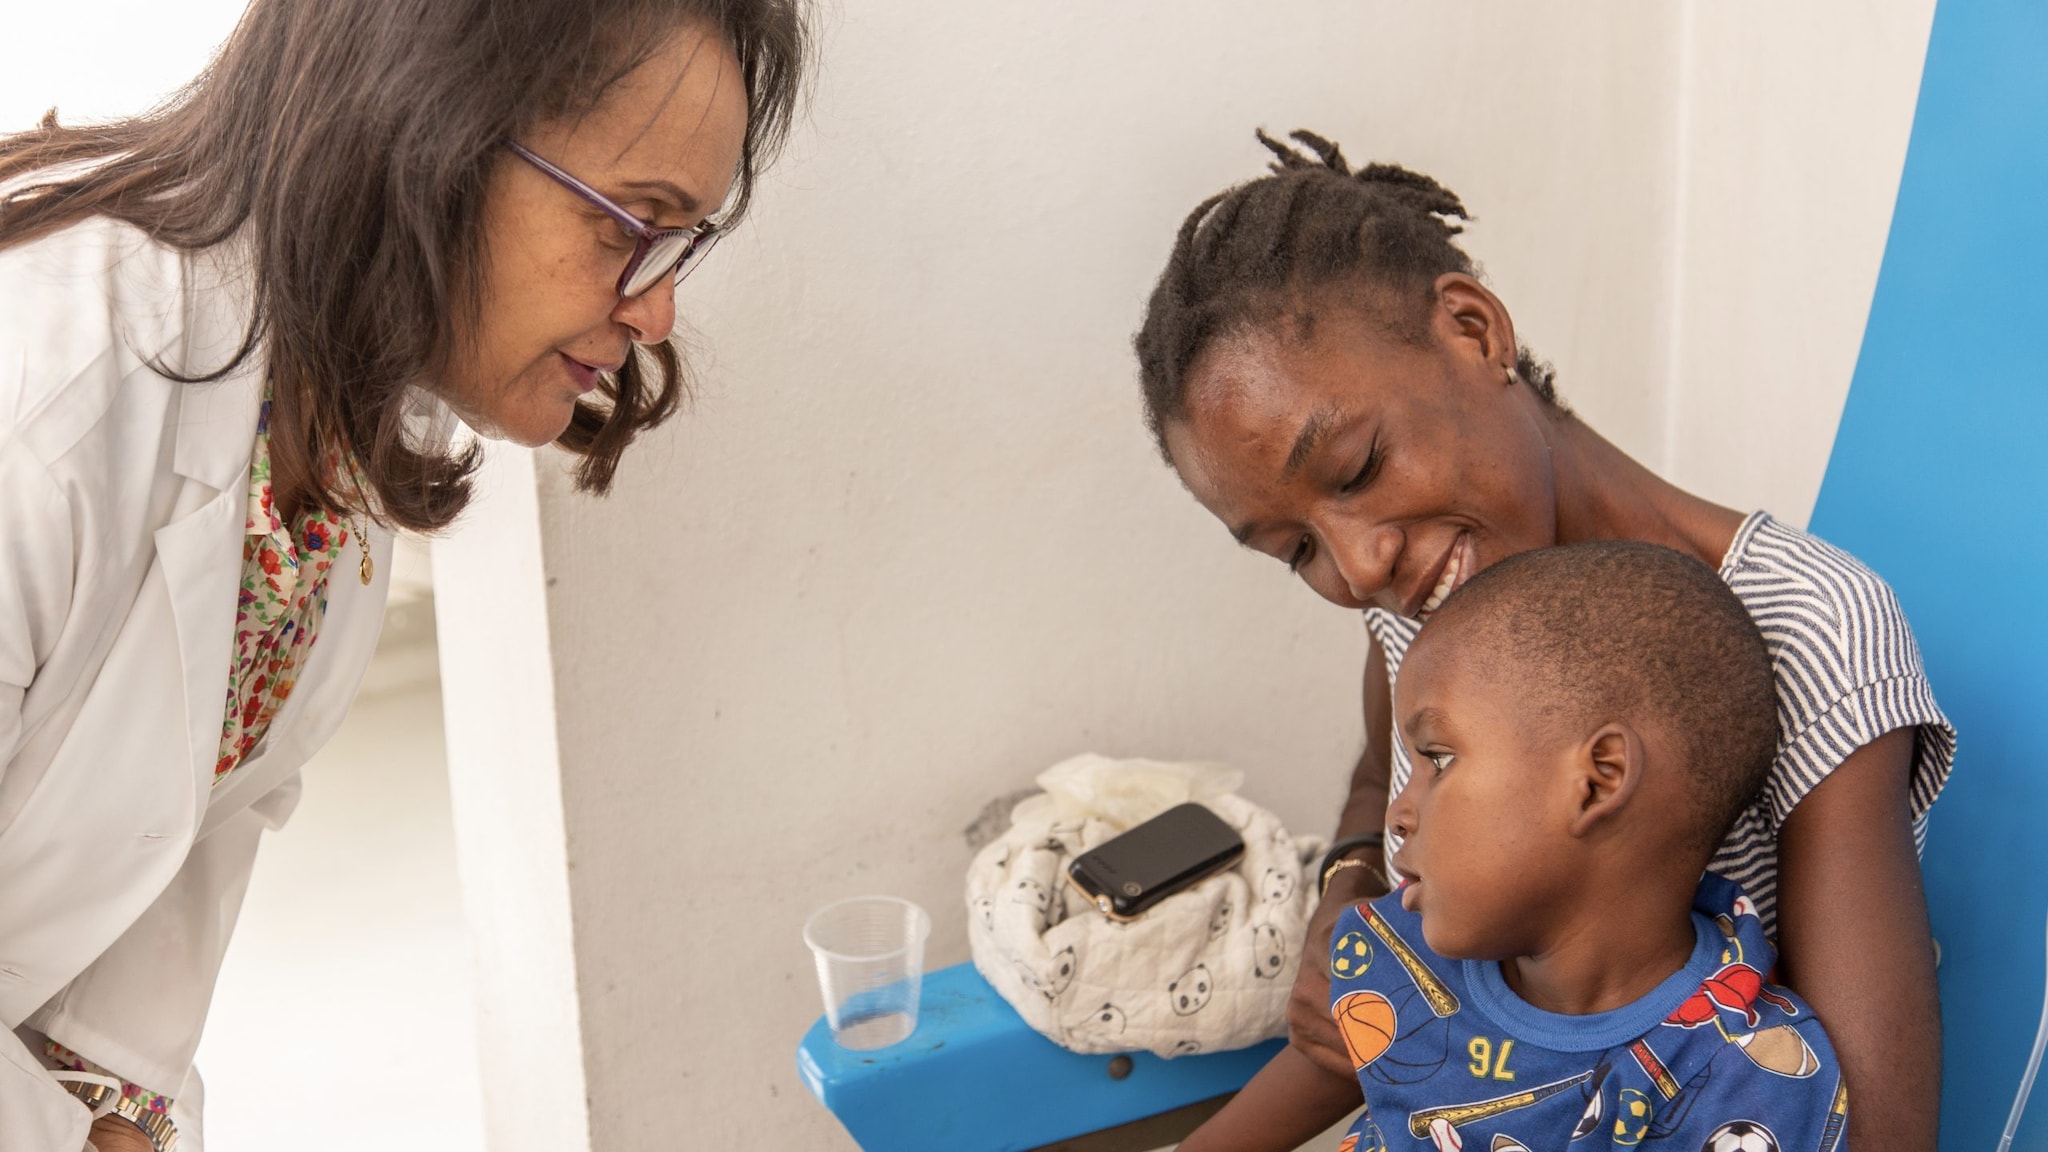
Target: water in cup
(875,1030)
(870,956)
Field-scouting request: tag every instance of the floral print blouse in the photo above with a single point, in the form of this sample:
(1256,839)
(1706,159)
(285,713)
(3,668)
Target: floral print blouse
(283,600)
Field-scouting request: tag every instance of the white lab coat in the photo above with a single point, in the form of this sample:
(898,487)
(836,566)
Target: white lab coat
(123,497)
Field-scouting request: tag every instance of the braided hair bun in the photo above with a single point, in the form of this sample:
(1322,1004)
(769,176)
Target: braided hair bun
(1250,254)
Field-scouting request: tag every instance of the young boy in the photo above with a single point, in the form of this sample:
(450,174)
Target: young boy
(1586,723)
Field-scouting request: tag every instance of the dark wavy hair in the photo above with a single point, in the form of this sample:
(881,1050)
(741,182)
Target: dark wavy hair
(349,142)
(1245,256)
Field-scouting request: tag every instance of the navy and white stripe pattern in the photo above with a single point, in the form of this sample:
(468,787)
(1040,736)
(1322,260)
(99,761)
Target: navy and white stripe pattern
(1847,670)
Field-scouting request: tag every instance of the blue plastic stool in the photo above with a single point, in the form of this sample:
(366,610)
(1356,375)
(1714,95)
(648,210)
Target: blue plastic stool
(975,1078)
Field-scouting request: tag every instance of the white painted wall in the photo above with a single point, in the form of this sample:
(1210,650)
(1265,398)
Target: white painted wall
(1796,118)
(121,59)
(499,687)
(913,544)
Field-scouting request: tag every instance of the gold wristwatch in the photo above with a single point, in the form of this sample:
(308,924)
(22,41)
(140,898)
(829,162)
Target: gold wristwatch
(155,1125)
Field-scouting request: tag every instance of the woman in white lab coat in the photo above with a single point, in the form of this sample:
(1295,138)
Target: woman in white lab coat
(229,331)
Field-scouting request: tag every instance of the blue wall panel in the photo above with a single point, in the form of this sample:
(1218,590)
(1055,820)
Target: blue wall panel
(1939,480)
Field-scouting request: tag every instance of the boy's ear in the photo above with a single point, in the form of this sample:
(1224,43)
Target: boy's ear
(1606,771)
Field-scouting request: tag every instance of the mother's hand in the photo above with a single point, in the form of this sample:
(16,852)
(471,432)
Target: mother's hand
(1310,1027)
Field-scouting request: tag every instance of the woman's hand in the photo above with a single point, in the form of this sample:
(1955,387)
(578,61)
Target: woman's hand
(1854,941)
(113,1134)
(1311,1030)
(1310,1027)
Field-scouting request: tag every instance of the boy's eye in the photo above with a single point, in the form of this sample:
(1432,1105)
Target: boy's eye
(1440,760)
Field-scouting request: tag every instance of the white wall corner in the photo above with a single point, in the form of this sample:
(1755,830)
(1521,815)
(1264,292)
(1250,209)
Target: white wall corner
(1684,49)
(498,691)
(1794,121)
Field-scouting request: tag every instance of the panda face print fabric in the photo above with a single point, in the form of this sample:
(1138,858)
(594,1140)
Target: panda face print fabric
(1204,970)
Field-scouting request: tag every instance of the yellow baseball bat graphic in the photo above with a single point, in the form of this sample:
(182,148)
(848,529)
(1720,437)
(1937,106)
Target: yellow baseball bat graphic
(1837,1116)
(1440,999)
(1456,1114)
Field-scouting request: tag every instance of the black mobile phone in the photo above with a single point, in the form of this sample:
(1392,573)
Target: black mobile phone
(1127,874)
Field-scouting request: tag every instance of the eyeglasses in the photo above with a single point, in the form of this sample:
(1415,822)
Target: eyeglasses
(660,251)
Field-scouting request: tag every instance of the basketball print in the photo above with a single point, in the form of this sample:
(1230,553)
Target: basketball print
(1366,1020)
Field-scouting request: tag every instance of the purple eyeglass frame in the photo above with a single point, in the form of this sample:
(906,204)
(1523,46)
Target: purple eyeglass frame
(697,242)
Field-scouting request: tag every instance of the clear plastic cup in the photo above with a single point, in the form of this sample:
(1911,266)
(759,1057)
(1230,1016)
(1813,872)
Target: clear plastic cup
(870,954)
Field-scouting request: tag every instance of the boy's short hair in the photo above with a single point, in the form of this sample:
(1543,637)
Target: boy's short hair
(1623,630)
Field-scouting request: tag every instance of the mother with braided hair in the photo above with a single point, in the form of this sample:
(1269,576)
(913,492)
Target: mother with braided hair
(1329,377)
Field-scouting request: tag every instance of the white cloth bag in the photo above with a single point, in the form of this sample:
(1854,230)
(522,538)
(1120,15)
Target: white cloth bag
(1204,970)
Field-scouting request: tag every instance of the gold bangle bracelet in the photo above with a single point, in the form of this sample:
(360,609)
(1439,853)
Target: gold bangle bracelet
(1339,866)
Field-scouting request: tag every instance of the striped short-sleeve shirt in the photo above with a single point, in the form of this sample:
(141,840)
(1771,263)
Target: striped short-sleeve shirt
(1847,670)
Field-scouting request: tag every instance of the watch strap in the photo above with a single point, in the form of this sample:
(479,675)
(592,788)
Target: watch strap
(107,1100)
(155,1125)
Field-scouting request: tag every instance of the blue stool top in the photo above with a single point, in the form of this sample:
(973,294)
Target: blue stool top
(974,1077)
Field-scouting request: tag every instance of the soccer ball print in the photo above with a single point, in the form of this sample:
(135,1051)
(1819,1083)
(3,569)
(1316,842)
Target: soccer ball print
(1740,1136)
(1351,957)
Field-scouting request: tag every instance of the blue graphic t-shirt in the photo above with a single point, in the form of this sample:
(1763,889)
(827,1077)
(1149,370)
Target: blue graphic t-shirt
(1713,1060)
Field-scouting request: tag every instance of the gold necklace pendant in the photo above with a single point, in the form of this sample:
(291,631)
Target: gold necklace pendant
(363,545)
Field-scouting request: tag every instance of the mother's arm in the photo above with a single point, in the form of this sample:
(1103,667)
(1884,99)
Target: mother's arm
(1310,1029)
(1855,942)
